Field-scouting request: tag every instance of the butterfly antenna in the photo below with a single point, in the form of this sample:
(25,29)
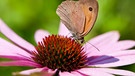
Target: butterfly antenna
(94,46)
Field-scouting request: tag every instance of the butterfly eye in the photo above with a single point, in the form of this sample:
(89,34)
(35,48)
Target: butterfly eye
(90,8)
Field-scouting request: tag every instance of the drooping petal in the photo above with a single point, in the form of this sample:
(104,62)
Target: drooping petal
(20,63)
(63,30)
(46,74)
(93,72)
(28,72)
(115,59)
(40,34)
(122,45)
(118,46)
(8,49)
(66,74)
(16,57)
(101,42)
(117,72)
(5,30)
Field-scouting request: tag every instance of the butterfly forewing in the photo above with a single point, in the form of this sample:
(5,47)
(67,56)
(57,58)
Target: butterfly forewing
(78,16)
(72,16)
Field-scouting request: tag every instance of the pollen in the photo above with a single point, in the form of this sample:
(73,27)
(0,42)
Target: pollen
(61,53)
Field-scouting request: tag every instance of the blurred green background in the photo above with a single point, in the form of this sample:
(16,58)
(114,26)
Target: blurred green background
(26,16)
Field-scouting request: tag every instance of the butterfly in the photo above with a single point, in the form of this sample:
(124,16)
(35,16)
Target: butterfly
(78,16)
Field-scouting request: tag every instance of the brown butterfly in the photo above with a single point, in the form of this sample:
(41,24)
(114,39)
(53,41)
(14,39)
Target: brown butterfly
(78,16)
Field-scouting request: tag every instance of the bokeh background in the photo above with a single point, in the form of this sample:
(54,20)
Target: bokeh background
(26,16)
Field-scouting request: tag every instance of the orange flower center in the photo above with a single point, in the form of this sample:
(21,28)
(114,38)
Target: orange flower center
(61,53)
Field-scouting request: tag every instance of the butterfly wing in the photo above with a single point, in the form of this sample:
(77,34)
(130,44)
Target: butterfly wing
(90,9)
(71,15)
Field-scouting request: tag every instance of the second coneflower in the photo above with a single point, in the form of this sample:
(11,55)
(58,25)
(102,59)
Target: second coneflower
(62,56)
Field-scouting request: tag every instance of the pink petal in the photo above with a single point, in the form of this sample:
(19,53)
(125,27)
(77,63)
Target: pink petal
(101,42)
(63,30)
(20,63)
(94,72)
(16,58)
(8,49)
(74,73)
(46,74)
(113,36)
(40,34)
(115,59)
(28,72)
(122,45)
(118,46)
(66,74)
(5,30)
(117,72)
(78,73)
